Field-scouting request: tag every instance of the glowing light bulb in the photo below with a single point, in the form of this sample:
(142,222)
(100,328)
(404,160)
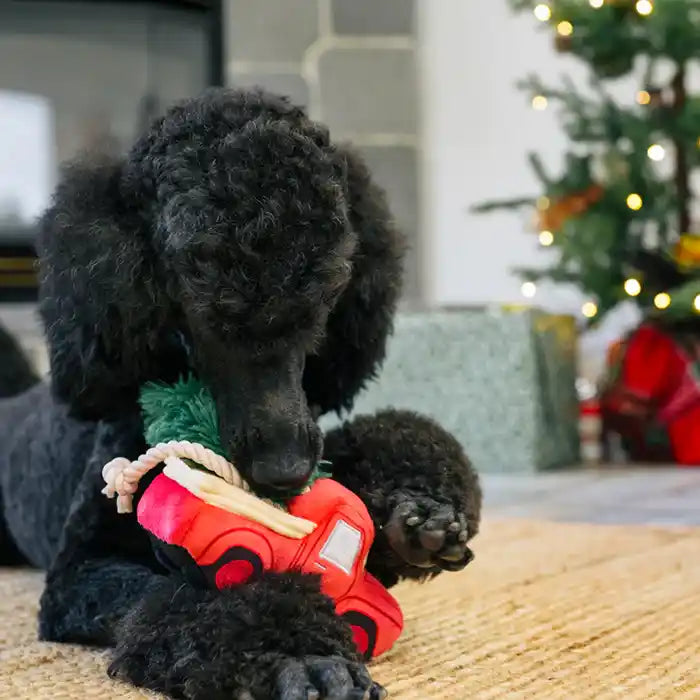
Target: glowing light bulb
(529,289)
(662,300)
(643,97)
(633,287)
(539,102)
(596,4)
(696,303)
(546,238)
(634,201)
(542,12)
(644,7)
(543,203)
(565,28)
(656,152)
(589,309)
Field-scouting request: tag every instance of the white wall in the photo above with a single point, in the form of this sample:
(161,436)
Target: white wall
(27,148)
(477,129)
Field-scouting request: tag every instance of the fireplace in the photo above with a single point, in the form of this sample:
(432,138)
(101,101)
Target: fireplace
(77,72)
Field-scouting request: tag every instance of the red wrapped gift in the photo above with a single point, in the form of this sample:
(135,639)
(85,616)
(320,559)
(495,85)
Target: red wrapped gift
(652,396)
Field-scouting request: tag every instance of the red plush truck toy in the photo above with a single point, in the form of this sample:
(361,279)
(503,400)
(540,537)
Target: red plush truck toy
(325,531)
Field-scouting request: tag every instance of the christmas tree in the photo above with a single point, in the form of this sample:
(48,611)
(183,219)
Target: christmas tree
(620,215)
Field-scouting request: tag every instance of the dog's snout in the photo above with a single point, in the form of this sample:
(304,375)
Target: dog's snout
(281,473)
(265,423)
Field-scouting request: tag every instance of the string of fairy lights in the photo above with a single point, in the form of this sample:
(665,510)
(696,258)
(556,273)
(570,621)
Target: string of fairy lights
(543,12)
(656,152)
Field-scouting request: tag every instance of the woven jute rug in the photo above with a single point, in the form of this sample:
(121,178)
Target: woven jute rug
(547,610)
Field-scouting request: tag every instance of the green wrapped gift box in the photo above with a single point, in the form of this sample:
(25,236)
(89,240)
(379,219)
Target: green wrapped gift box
(502,380)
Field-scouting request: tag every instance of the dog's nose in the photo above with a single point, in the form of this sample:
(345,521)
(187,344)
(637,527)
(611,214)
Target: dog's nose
(281,474)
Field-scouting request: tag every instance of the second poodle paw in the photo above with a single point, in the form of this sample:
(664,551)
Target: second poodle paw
(428,534)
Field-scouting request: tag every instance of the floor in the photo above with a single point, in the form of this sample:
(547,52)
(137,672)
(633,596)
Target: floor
(654,496)
(572,612)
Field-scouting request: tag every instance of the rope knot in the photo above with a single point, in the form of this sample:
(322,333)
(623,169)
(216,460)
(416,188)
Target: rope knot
(122,476)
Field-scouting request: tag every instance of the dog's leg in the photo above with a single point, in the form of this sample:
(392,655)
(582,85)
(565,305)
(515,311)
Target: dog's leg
(278,637)
(419,487)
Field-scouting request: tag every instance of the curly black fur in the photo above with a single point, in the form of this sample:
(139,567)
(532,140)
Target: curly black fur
(235,240)
(172,638)
(398,458)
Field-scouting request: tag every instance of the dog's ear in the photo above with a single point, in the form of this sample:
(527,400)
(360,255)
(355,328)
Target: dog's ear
(98,300)
(361,321)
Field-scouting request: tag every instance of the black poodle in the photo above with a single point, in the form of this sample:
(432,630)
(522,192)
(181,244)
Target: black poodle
(234,240)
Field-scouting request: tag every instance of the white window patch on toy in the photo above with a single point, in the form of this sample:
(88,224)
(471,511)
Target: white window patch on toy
(342,547)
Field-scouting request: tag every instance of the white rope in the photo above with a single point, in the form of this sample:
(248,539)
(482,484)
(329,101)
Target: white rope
(122,476)
(216,492)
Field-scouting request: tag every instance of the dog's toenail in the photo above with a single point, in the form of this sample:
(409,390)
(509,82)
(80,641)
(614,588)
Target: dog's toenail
(453,554)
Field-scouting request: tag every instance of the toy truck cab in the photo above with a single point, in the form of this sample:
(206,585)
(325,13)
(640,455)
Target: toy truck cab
(216,548)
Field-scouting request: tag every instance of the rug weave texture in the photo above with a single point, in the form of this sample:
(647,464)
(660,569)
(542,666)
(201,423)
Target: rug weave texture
(577,612)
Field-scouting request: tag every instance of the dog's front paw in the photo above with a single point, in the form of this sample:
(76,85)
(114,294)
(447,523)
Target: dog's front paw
(325,678)
(428,534)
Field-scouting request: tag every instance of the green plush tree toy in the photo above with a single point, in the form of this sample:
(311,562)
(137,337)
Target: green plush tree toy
(181,411)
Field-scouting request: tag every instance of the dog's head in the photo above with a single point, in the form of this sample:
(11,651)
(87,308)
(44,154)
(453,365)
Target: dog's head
(254,245)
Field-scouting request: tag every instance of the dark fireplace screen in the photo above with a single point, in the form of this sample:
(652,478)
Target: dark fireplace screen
(73,74)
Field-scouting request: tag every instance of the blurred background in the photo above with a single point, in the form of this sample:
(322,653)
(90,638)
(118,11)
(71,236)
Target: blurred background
(519,365)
